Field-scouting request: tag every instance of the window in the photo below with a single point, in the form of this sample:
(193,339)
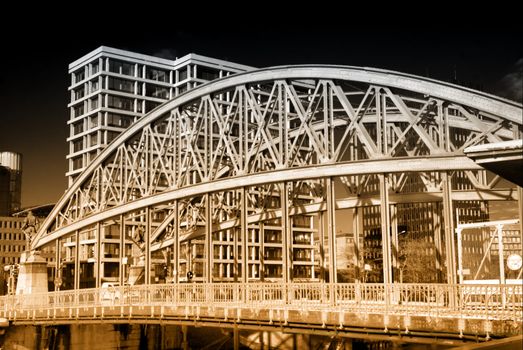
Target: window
(79,93)
(78,128)
(118,120)
(157,74)
(94,85)
(120,103)
(149,105)
(111,135)
(207,73)
(77,145)
(94,121)
(93,139)
(77,163)
(111,269)
(182,88)
(95,68)
(111,250)
(79,75)
(182,74)
(121,67)
(121,85)
(94,103)
(78,110)
(156,91)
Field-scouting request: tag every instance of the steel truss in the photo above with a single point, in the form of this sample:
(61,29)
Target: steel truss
(205,180)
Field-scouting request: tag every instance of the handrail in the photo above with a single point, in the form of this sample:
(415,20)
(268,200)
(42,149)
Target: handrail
(501,302)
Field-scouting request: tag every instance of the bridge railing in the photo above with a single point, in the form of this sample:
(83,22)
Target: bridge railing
(491,301)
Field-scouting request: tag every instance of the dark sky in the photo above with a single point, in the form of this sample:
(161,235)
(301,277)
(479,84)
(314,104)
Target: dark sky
(34,78)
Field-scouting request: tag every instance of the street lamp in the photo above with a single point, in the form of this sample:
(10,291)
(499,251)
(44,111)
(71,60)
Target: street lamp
(11,282)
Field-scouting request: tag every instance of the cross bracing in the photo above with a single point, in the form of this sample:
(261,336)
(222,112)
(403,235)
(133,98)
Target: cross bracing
(279,151)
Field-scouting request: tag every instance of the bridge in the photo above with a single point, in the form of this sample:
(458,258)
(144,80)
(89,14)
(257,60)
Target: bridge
(225,206)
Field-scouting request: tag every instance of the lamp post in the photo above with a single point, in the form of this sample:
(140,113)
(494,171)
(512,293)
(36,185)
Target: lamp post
(11,281)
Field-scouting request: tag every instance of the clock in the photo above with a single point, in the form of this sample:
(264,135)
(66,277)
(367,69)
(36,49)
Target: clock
(514,261)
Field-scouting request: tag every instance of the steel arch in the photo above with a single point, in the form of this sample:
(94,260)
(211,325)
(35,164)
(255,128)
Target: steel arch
(505,110)
(286,127)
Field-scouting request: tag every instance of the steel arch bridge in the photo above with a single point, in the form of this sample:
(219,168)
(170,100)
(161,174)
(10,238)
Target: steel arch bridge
(248,178)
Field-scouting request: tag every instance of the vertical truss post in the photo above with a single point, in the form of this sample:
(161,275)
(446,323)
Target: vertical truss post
(208,238)
(450,245)
(326,133)
(241,135)
(321,228)
(357,249)
(440,124)
(446,128)
(147,271)
(438,240)
(332,143)
(385,227)
(286,263)
(459,231)
(122,251)
(384,122)
(98,256)
(236,233)
(499,231)
(395,240)
(331,229)
(282,127)
(58,264)
(379,121)
(77,260)
(243,224)
(261,252)
(176,243)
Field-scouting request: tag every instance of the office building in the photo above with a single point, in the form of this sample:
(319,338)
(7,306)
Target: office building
(111,88)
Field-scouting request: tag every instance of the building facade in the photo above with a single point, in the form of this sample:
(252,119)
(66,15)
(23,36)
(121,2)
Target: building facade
(12,240)
(10,182)
(13,243)
(111,89)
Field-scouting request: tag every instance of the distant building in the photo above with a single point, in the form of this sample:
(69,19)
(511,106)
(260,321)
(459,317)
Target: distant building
(12,236)
(10,182)
(12,240)
(5,178)
(111,89)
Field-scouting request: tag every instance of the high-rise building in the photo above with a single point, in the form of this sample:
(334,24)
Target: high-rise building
(111,88)
(10,182)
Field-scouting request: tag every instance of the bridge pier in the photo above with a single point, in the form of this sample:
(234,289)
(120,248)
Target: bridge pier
(32,277)
(185,342)
(236,338)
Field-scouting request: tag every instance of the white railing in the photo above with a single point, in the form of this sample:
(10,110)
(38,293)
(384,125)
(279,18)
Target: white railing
(484,301)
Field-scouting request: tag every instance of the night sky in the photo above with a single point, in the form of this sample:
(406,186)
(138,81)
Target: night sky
(34,77)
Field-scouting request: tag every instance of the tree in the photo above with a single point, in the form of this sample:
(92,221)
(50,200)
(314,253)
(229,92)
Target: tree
(416,261)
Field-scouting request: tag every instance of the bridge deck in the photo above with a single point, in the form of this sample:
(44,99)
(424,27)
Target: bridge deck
(434,309)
